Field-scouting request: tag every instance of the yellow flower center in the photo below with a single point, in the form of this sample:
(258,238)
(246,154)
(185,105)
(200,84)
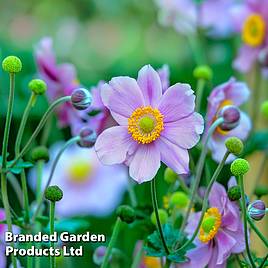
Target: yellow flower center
(253,32)
(223,104)
(152,262)
(145,124)
(210,225)
(79,171)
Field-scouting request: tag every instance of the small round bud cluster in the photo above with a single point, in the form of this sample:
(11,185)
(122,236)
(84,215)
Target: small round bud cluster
(126,213)
(203,72)
(234,193)
(264,109)
(81,99)
(231,117)
(257,210)
(178,200)
(88,138)
(163,217)
(234,145)
(240,167)
(53,193)
(12,64)
(37,86)
(170,176)
(40,153)
(261,190)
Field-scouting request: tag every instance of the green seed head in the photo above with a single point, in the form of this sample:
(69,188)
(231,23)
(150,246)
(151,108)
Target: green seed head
(40,153)
(179,200)
(234,145)
(240,167)
(163,216)
(53,193)
(264,109)
(147,124)
(203,72)
(234,193)
(208,224)
(170,176)
(12,64)
(37,86)
(126,213)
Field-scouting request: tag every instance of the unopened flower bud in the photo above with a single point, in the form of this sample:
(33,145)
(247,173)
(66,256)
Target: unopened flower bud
(12,64)
(261,190)
(203,72)
(53,193)
(231,116)
(81,99)
(170,176)
(40,153)
(126,213)
(234,145)
(88,138)
(178,200)
(37,86)
(234,193)
(257,210)
(264,109)
(240,167)
(163,217)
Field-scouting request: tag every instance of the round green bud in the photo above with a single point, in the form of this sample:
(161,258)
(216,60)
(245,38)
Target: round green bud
(53,193)
(203,72)
(40,153)
(126,213)
(179,200)
(234,193)
(234,145)
(240,167)
(12,64)
(264,109)
(170,176)
(261,190)
(163,216)
(37,86)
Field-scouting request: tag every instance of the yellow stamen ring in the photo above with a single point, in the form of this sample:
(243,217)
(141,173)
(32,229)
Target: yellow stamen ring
(145,124)
(210,225)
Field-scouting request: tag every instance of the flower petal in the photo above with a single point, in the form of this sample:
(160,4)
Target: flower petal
(150,84)
(239,237)
(217,196)
(177,102)
(145,163)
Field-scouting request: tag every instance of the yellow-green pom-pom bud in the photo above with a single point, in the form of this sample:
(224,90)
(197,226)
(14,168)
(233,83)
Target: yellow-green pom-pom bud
(53,193)
(234,145)
(12,64)
(264,109)
(234,193)
(203,72)
(178,200)
(37,86)
(163,216)
(170,176)
(240,167)
(126,213)
(40,153)
(261,190)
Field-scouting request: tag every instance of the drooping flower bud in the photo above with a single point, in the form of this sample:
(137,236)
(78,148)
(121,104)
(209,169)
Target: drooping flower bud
(37,86)
(240,167)
(40,153)
(81,98)
(203,72)
(126,213)
(53,193)
(257,210)
(264,109)
(234,145)
(234,193)
(88,138)
(170,176)
(178,200)
(231,116)
(12,64)
(163,217)
(261,190)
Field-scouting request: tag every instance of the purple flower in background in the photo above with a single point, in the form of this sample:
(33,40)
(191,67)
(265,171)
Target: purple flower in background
(153,126)
(230,93)
(251,20)
(164,74)
(221,232)
(97,189)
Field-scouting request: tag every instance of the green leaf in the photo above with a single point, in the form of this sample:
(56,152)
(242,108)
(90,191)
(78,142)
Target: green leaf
(17,169)
(72,225)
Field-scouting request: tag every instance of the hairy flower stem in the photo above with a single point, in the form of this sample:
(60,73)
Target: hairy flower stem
(39,127)
(4,161)
(158,223)
(199,169)
(205,203)
(199,93)
(54,165)
(244,212)
(52,219)
(111,243)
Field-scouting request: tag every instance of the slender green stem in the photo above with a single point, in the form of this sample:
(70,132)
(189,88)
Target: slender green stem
(25,197)
(257,231)
(39,127)
(199,93)
(111,243)
(132,195)
(138,256)
(205,203)
(167,264)
(199,169)
(39,176)
(16,186)
(52,219)
(196,49)
(54,165)
(264,261)
(155,207)
(244,212)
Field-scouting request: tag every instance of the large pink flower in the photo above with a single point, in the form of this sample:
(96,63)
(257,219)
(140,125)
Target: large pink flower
(153,126)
